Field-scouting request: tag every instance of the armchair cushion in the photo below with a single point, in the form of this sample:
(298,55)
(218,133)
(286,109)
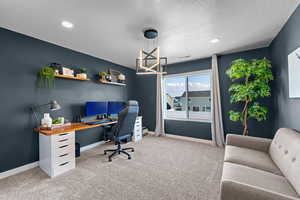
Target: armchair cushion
(251,158)
(244,183)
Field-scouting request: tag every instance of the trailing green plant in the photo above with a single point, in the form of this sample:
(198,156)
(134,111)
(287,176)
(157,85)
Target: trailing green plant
(252,82)
(46,77)
(83,70)
(103,74)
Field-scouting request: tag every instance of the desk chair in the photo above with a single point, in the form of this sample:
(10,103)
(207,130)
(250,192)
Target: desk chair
(123,130)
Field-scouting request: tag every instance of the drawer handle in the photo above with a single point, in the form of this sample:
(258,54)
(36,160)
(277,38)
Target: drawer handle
(63,140)
(63,134)
(63,155)
(63,163)
(63,146)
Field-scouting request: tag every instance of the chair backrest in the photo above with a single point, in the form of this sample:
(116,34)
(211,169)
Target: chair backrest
(285,152)
(126,119)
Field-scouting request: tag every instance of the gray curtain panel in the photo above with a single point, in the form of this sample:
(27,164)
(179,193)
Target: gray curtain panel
(160,126)
(217,122)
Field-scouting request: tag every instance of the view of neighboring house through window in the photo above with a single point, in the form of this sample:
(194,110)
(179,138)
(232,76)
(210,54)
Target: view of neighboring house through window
(199,96)
(187,96)
(175,97)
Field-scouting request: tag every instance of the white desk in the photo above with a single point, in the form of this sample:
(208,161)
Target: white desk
(57,146)
(138,130)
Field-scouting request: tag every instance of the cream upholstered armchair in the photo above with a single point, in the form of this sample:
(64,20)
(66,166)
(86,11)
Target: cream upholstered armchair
(262,169)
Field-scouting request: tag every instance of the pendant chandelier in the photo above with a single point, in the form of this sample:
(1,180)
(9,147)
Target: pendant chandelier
(149,60)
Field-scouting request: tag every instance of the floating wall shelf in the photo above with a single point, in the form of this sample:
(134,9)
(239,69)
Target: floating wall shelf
(112,83)
(70,77)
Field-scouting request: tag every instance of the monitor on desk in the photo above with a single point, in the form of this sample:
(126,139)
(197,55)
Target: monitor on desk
(114,107)
(96,108)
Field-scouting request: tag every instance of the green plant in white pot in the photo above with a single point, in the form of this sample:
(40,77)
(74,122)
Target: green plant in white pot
(251,83)
(46,77)
(83,73)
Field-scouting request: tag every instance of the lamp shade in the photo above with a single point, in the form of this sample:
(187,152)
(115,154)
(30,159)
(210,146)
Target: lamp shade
(54,105)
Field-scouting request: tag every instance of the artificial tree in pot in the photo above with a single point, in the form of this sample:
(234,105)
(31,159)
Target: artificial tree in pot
(252,80)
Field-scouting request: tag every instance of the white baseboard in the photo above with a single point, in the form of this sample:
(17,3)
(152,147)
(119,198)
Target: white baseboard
(18,170)
(191,139)
(90,146)
(152,133)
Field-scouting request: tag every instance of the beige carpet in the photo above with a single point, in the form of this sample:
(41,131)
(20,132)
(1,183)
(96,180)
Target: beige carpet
(161,168)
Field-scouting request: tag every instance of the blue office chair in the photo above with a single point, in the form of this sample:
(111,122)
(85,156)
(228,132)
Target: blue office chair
(123,130)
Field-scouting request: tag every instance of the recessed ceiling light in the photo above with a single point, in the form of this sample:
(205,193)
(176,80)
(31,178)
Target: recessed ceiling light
(215,40)
(67,24)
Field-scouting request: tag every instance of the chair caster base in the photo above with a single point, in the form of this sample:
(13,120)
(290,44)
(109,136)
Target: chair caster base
(117,151)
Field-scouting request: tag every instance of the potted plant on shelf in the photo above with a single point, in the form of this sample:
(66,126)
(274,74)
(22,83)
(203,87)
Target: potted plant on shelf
(46,77)
(104,77)
(83,73)
(83,70)
(252,82)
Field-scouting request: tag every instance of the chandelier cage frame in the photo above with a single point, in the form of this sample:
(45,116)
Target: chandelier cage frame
(150,62)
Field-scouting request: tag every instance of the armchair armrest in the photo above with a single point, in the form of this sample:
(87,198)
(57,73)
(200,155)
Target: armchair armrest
(255,143)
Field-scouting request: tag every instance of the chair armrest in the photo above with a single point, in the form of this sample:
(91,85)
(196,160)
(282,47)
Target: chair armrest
(255,143)
(231,190)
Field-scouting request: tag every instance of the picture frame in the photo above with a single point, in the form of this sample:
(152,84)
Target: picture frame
(294,72)
(115,76)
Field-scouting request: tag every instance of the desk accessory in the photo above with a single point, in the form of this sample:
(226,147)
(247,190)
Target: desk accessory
(46,121)
(54,126)
(121,78)
(116,76)
(58,122)
(53,105)
(112,77)
(67,71)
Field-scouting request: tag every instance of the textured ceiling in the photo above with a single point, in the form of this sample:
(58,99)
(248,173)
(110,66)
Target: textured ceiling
(112,30)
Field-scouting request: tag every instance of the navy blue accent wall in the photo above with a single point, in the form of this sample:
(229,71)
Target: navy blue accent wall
(147,89)
(21,58)
(286,109)
(260,129)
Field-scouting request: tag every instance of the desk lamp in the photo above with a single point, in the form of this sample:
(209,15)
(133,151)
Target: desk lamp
(53,106)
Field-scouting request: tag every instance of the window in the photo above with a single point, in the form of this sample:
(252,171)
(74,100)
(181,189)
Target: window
(187,96)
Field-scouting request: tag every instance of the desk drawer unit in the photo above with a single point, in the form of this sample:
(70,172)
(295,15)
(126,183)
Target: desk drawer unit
(57,153)
(138,127)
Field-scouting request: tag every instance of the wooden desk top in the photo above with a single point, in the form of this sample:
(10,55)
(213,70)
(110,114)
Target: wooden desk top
(73,127)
